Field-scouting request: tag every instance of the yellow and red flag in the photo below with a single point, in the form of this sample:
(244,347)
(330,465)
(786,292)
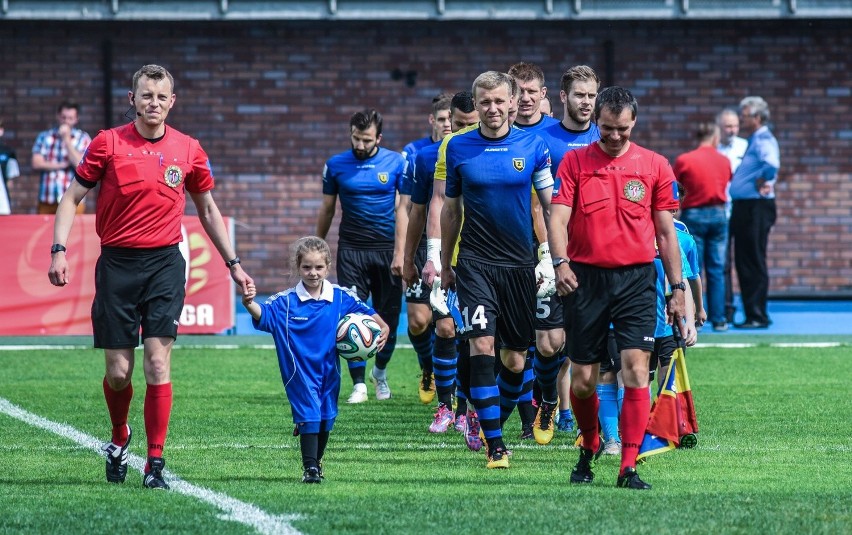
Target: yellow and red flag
(673,414)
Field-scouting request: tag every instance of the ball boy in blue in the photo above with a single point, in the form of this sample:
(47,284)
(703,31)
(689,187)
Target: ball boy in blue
(303,323)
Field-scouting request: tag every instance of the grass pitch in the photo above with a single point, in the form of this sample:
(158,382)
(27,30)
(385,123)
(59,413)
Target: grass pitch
(773,455)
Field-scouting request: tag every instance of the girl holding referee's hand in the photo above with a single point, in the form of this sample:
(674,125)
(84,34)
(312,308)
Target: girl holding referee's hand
(303,323)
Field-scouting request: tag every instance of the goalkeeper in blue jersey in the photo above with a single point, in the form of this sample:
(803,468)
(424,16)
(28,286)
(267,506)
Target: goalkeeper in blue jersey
(303,322)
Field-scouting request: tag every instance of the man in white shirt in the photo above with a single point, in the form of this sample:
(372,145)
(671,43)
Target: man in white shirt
(733,147)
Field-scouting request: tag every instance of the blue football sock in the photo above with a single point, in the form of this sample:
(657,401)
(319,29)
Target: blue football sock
(608,410)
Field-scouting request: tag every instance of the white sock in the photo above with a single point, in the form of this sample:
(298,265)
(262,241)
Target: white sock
(381,375)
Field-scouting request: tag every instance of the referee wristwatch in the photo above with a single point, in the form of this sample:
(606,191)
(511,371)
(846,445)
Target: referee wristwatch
(679,286)
(558,261)
(57,248)
(232,262)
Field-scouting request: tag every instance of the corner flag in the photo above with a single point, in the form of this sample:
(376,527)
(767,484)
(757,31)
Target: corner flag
(673,414)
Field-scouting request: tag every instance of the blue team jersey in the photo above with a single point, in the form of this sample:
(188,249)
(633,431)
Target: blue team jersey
(561,140)
(546,121)
(304,331)
(689,268)
(494,177)
(367,191)
(409,154)
(424,173)
(690,249)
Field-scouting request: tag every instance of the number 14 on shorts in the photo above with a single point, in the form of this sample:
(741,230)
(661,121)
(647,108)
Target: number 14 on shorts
(464,321)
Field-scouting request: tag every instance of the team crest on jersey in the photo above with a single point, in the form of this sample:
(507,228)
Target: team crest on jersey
(634,191)
(173,176)
(519,163)
(383,178)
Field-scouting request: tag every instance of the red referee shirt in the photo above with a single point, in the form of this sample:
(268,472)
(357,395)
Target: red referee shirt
(142,197)
(611,222)
(705,175)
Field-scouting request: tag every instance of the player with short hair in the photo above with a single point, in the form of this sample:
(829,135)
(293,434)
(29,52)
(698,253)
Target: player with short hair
(444,361)
(614,198)
(303,323)
(145,169)
(491,170)
(367,179)
(420,326)
(531,92)
(578,90)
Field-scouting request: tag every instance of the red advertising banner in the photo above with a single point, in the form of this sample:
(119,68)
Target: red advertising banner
(31,306)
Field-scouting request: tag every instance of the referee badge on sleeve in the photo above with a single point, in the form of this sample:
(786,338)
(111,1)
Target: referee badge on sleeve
(173,176)
(634,191)
(519,164)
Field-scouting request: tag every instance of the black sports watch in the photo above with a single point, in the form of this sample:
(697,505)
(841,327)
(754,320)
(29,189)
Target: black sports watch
(232,262)
(559,261)
(679,286)
(57,248)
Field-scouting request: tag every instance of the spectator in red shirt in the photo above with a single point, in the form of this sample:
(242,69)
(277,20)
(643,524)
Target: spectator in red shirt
(614,199)
(145,169)
(704,174)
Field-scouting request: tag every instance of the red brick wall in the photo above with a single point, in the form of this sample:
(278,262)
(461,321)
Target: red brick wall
(270,102)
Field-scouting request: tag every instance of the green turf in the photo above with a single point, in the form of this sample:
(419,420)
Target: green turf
(773,455)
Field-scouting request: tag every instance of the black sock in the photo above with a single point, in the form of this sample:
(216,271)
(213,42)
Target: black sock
(423,343)
(357,374)
(308,442)
(322,441)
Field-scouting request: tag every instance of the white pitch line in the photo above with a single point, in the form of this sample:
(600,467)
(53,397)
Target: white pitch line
(233,510)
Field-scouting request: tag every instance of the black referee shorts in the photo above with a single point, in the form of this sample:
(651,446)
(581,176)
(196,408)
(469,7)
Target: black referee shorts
(137,288)
(625,297)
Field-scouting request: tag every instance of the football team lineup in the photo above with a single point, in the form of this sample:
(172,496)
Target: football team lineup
(498,323)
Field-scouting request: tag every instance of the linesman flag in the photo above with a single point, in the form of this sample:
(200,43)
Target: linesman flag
(672,422)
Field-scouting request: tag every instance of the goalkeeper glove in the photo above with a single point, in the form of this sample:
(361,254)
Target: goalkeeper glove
(544,274)
(438,298)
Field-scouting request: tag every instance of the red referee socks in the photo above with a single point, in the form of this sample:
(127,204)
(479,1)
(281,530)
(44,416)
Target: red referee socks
(158,409)
(586,413)
(118,405)
(634,421)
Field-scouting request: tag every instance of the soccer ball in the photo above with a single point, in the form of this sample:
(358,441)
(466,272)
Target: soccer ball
(357,337)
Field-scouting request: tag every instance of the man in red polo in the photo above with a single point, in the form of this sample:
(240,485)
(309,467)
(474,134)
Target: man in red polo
(614,198)
(145,170)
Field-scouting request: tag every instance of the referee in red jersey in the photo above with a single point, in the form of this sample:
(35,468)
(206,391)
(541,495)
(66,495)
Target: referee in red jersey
(145,169)
(614,199)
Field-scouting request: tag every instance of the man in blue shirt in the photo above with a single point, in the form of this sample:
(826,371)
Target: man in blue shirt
(420,329)
(367,180)
(491,170)
(753,212)
(578,90)
(444,362)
